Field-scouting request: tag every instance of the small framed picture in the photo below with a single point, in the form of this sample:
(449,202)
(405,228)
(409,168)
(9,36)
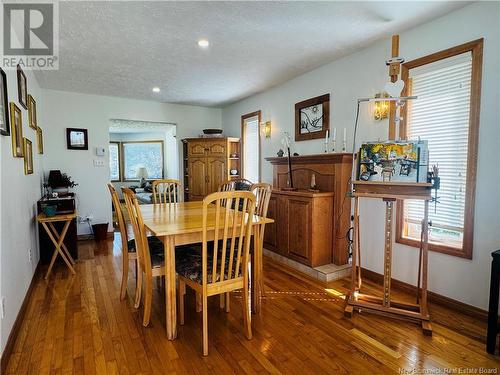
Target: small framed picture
(22,87)
(312,118)
(4,105)
(17,131)
(28,156)
(77,139)
(39,139)
(32,113)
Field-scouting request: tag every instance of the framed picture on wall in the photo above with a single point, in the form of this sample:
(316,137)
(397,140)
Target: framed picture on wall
(312,118)
(32,113)
(22,87)
(39,139)
(4,105)
(17,131)
(28,156)
(77,139)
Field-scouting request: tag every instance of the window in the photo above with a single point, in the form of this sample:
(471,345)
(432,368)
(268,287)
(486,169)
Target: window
(142,154)
(251,146)
(446,114)
(114,161)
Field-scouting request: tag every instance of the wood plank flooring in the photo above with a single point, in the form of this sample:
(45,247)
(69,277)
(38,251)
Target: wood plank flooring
(78,325)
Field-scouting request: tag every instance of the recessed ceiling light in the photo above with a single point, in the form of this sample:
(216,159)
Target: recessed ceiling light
(156,89)
(203,43)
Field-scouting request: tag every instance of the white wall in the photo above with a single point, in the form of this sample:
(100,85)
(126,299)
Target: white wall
(19,194)
(363,74)
(93,112)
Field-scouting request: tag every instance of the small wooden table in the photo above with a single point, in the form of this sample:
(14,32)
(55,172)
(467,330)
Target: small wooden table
(178,224)
(58,239)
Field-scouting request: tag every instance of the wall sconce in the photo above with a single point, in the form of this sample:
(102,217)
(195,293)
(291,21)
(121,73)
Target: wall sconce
(267,129)
(381,109)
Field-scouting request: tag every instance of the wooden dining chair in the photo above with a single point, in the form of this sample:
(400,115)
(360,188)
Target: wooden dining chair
(223,266)
(226,186)
(151,261)
(166,191)
(128,247)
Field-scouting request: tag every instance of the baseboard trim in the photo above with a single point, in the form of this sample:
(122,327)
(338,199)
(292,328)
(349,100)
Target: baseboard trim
(9,346)
(435,298)
(85,237)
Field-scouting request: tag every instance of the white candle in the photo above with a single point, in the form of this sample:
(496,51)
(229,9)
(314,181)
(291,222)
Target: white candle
(334,134)
(345,134)
(326,137)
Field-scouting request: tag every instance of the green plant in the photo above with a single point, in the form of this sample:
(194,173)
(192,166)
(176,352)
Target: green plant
(64,181)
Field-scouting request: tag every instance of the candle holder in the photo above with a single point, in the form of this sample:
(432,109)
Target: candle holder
(333,148)
(343,146)
(326,146)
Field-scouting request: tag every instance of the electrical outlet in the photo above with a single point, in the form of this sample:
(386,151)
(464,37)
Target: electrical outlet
(30,256)
(89,217)
(98,163)
(2,307)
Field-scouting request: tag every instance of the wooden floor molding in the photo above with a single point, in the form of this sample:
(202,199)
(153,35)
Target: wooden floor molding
(9,346)
(78,325)
(435,298)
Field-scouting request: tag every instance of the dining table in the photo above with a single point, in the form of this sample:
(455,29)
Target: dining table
(177,224)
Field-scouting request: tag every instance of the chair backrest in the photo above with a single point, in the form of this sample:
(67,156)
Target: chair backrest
(119,214)
(262,192)
(140,237)
(232,230)
(166,191)
(226,186)
(241,184)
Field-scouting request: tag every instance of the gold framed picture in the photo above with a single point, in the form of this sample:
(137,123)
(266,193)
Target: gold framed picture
(32,112)
(28,156)
(39,139)
(16,119)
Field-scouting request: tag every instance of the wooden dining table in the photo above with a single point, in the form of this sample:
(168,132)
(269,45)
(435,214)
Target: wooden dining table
(178,224)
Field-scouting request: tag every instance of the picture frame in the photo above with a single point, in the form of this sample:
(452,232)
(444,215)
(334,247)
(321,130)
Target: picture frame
(4,105)
(77,139)
(312,118)
(17,131)
(39,140)
(28,156)
(32,122)
(22,87)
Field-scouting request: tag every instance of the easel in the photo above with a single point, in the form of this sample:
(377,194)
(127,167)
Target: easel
(390,192)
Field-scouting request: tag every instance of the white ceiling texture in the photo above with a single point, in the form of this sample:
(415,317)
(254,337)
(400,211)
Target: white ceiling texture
(122,48)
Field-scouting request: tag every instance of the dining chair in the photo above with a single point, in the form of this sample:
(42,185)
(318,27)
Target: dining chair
(226,186)
(128,252)
(166,191)
(223,266)
(150,255)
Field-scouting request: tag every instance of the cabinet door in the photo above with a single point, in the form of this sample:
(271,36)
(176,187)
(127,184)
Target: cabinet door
(197,177)
(216,148)
(216,173)
(299,229)
(197,148)
(270,235)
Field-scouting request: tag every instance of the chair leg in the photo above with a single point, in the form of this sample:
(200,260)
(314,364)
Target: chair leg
(182,294)
(199,305)
(123,287)
(246,313)
(148,299)
(221,303)
(227,302)
(138,289)
(205,325)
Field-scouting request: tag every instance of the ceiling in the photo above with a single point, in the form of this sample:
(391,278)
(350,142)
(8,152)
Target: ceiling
(127,48)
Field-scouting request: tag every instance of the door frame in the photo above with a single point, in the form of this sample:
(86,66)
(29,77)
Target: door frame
(242,141)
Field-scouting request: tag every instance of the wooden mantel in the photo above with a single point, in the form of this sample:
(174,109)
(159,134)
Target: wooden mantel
(332,172)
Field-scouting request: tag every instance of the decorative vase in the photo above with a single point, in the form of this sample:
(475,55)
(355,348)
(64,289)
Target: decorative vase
(233,172)
(61,191)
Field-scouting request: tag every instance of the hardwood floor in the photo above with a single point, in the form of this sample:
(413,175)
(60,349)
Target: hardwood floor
(77,325)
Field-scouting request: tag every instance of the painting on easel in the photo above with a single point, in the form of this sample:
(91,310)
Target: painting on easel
(405,161)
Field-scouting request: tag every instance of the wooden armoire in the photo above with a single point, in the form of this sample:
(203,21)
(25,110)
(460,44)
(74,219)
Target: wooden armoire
(208,163)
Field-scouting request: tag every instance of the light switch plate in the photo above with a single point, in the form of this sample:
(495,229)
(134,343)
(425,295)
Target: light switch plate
(98,163)
(100,151)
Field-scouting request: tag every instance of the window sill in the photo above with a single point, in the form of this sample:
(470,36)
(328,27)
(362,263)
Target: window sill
(443,249)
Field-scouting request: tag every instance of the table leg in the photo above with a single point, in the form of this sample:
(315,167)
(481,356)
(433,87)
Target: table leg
(257,270)
(63,246)
(170,293)
(57,241)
